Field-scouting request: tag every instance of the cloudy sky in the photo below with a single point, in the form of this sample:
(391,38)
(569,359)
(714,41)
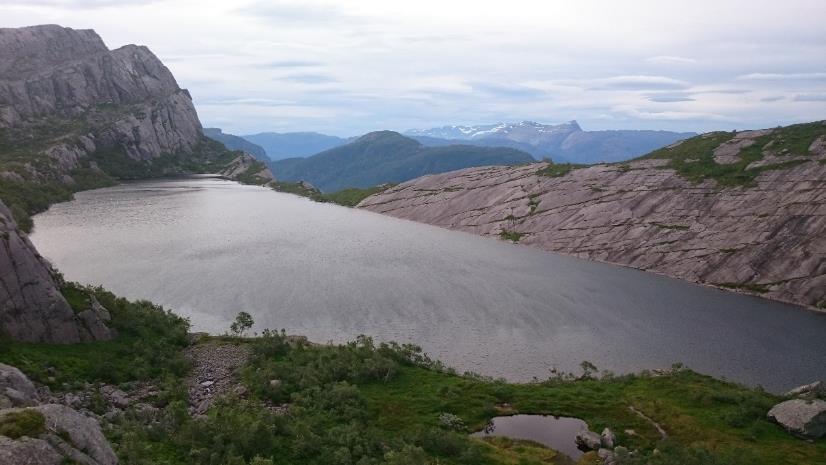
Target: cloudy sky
(351,66)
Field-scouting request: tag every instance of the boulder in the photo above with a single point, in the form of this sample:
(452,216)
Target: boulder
(15,388)
(28,451)
(588,440)
(805,418)
(608,438)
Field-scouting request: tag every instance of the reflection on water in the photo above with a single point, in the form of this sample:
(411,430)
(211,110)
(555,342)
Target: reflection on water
(558,433)
(209,248)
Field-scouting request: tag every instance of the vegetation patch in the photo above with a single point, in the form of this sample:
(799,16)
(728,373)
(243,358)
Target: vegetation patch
(556,170)
(26,422)
(349,197)
(694,158)
(758,288)
(678,227)
(77,298)
(148,347)
(509,235)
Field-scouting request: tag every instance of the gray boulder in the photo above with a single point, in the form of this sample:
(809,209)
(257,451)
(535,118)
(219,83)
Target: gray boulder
(588,440)
(28,451)
(15,389)
(69,434)
(608,438)
(806,418)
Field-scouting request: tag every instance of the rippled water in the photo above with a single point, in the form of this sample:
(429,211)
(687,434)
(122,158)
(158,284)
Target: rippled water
(209,248)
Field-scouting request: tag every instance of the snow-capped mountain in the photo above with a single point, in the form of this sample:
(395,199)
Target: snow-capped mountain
(565,142)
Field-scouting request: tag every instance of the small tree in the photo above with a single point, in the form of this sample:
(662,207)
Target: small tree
(243,322)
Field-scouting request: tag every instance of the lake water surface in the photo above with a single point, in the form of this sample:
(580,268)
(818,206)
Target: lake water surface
(209,248)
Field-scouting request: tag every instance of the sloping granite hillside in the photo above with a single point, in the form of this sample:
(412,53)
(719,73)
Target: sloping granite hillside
(744,211)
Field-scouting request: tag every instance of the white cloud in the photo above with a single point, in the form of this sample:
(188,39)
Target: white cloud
(351,66)
(671,60)
(782,77)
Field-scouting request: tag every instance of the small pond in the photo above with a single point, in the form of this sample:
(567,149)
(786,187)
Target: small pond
(558,433)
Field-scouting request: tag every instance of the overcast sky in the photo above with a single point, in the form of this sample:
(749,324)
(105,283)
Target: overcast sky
(353,66)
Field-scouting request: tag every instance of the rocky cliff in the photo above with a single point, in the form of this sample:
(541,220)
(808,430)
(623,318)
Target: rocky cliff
(129,98)
(32,307)
(75,115)
(744,211)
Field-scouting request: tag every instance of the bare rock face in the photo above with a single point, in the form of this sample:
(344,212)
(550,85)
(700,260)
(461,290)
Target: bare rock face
(806,418)
(124,101)
(247,165)
(768,237)
(31,306)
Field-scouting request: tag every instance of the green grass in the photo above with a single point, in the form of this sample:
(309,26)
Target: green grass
(694,158)
(349,197)
(352,196)
(26,422)
(556,170)
(509,235)
(148,347)
(77,298)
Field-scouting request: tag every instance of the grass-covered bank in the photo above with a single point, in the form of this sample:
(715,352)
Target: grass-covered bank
(366,403)
(349,197)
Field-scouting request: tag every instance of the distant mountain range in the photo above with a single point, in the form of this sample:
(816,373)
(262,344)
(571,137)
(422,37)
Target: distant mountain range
(565,142)
(388,157)
(279,146)
(233,142)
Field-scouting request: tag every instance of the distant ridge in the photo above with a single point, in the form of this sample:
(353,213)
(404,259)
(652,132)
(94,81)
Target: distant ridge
(279,146)
(388,157)
(565,142)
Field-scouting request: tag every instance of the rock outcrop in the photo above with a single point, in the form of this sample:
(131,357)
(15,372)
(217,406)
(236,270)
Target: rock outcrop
(248,169)
(802,417)
(766,236)
(31,305)
(128,98)
(58,434)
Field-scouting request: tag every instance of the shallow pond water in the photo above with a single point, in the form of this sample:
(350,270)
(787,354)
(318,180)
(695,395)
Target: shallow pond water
(558,433)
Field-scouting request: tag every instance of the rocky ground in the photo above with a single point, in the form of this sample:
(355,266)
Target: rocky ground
(767,238)
(214,373)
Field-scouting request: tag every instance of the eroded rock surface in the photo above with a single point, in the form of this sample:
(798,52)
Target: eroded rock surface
(768,238)
(31,306)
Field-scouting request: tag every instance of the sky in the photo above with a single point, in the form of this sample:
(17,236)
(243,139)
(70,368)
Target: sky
(353,66)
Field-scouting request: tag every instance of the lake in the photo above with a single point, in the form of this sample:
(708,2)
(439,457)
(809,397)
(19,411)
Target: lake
(208,248)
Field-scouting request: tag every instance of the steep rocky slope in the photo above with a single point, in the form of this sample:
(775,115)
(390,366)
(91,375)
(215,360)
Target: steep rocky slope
(31,305)
(745,211)
(75,115)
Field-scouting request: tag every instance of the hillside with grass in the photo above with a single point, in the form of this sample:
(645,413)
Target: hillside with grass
(388,157)
(736,210)
(294,402)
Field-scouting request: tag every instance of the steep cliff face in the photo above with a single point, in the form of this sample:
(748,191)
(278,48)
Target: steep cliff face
(31,306)
(75,115)
(744,211)
(54,72)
